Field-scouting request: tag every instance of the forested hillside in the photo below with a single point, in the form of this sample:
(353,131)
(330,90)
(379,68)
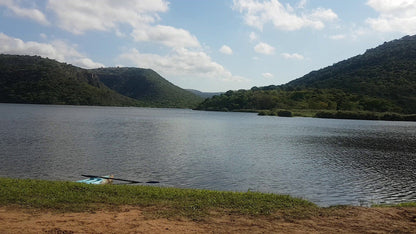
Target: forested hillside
(147,86)
(32,79)
(383,79)
(387,72)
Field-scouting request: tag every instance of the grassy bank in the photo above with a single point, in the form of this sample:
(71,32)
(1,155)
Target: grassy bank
(288,113)
(192,203)
(406,204)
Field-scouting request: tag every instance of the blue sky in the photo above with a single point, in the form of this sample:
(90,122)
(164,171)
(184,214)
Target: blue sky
(208,45)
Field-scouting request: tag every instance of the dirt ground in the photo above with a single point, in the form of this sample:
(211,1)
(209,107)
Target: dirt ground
(133,220)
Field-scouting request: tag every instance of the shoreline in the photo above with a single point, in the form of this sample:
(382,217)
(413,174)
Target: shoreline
(34,206)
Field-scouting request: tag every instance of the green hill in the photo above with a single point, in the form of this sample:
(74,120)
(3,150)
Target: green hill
(383,79)
(147,86)
(32,79)
(387,72)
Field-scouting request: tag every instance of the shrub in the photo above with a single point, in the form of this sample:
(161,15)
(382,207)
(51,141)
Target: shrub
(263,113)
(284,113)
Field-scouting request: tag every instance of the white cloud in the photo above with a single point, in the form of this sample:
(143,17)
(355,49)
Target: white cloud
(390,6)
(226,50)
(30,13)
(267,75)
(78,16)
(257,13)
(394,16)
(166,35)
(295,56)
(180,62)
(58,50)
(321,14)
(264,48)
(338,37)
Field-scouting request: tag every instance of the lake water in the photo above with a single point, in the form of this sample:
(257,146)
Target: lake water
(328,162)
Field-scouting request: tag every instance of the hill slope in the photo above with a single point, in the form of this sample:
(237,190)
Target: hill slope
(32,79)
(383,79)
(147,86)
(387,71)
(204,94)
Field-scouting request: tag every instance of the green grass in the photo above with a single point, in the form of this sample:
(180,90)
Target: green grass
(192,203)
(406,204)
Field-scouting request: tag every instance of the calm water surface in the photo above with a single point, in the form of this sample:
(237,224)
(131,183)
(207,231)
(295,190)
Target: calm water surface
(328,162)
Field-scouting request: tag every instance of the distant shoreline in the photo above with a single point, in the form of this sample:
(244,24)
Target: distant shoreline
(322,114)
(356,115)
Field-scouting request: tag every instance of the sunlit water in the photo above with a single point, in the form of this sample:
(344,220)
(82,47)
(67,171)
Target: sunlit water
(328,162)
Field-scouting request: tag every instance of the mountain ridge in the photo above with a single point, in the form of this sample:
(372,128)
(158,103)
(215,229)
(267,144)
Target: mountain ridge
(147,86)
(387,71)
(383,79)
(204,94)
(33,79)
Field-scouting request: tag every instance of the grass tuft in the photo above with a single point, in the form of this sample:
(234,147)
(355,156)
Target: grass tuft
(406,204)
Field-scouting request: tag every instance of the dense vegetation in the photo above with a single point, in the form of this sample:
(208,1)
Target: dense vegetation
(381,80)
(147,86)
(306,99)
(32,79)
(387,72)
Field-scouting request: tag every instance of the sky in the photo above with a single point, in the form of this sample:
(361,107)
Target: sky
(207,45)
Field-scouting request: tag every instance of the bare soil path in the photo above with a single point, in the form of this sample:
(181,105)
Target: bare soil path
(135,220)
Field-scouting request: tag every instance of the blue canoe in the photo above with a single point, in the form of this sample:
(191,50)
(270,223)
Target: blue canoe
(98,180)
